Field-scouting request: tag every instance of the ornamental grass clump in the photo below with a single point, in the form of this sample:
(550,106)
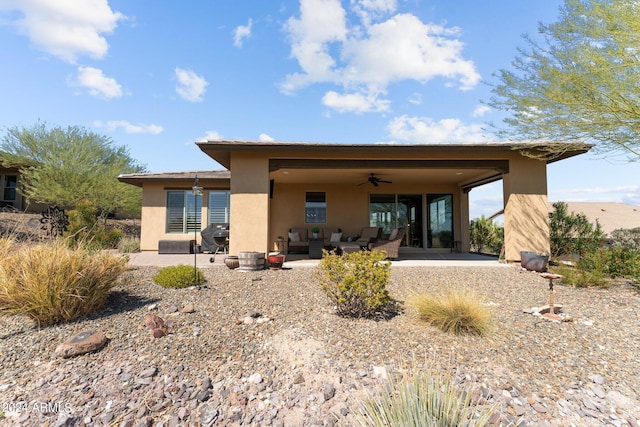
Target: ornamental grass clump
(457,312)
(356,282)
(179,276)
(423,400)
(52,283)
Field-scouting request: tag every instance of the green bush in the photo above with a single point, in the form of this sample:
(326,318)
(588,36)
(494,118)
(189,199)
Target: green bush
(612,262)
(356,282)
(85,226)
(423,400)
(572,233)
(486,236)
(461,313)
(573,276)
(622,238)
(52,283)
(179,276)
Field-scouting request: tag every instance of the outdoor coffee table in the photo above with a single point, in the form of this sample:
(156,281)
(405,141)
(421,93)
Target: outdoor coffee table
(350,247)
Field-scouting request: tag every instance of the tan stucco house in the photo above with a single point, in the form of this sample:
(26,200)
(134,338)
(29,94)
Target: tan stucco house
(271,187)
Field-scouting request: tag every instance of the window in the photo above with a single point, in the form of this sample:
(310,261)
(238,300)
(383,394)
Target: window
(218,208)
(315,208)
(440,211)
(184,212)
(9,184)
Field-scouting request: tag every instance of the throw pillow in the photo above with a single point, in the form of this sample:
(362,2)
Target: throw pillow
(294,237)
(335,237)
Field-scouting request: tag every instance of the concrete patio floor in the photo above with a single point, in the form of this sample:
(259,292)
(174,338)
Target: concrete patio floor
(408,258)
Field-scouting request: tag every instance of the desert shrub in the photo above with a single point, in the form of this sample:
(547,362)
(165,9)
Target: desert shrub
(179,276)
(579,278)
(486,236)
(623,238)
(356,282)
(461,313)
(612,262)
(572,233)
(86,226)
(129,244)
(423,400)
(52,283)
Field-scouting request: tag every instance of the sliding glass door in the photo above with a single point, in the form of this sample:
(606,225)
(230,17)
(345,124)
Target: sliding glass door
(440,212)
(391,211)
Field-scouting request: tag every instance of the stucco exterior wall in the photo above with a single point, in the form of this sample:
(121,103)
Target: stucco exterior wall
(526,211)
(249,227)
(153,225)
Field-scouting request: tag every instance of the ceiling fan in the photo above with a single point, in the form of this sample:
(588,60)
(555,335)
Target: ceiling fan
(375,181)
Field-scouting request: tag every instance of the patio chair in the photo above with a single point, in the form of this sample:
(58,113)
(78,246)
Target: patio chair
(215,238)
(392,245)
(369,235)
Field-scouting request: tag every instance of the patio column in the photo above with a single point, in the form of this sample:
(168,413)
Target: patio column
(249,226)
(526,211)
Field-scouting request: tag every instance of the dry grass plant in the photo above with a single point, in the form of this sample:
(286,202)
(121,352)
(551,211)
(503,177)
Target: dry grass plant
(456,311)
(51,283)
(424,397)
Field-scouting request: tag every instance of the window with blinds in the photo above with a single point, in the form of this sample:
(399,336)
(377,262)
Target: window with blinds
(218,207)
(184,212)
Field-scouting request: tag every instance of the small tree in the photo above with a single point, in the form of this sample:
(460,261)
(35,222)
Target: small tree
(486,235)
(64,166)
(572,233)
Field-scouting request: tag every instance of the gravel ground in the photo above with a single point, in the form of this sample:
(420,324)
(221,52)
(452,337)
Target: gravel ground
(295,363)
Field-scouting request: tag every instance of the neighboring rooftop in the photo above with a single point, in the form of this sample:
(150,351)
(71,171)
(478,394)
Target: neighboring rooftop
(139,178)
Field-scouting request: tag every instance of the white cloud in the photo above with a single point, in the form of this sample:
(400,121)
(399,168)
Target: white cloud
(481,110)
(210,135)
(97,83)
(66,29)
(191,87)
(130,128)
(629,194)
(416,99)
(242,32)
(425,130)
(369,10)
(355,102)
(265,138)
(367,58)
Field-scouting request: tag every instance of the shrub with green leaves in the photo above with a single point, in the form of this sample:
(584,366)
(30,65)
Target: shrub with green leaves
(179,276)
(52,283)
(579,278)
(486,236)
(423,400)
(623,238)
(572,233)
(85,226)
(355,282)
(461,313)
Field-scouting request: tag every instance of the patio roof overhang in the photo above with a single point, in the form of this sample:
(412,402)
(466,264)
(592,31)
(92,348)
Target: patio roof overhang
(465,165)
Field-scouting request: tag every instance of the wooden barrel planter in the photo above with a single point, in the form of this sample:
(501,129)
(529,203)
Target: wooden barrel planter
(251,261)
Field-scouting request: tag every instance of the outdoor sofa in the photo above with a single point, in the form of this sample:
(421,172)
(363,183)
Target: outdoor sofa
(298,238)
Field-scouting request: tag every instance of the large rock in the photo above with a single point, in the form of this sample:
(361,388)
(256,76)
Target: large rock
(81,343)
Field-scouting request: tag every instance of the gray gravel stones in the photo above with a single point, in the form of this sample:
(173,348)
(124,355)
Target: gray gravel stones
(306,366)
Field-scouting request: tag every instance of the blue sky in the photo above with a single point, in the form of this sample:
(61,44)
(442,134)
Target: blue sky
(157,76)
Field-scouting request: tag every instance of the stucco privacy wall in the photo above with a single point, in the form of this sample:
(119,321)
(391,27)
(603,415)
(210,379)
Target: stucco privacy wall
(249,225)
(526,212)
